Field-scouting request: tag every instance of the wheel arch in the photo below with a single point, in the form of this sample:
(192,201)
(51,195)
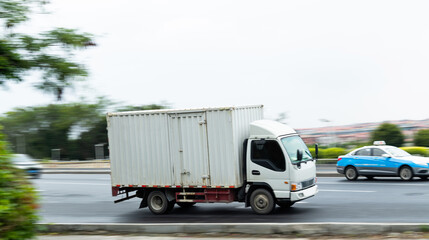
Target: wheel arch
(258,185)
(143,193)
(404,165)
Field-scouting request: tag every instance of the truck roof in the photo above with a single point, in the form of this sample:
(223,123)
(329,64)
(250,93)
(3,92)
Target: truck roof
(182,110)
(269,129)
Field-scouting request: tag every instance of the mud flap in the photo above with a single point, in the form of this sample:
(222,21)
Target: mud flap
(143,203)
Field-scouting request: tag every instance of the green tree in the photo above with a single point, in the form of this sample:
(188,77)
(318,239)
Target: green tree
(74,128)
(390,133)
(49,52)
(17,200)
(50,127)
(422,138)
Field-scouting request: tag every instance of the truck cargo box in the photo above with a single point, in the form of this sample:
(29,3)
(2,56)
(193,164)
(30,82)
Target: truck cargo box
(179,148)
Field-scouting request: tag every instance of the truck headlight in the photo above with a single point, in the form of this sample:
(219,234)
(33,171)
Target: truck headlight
(296,186)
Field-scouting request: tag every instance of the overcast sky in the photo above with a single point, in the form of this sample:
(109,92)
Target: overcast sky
(345,61)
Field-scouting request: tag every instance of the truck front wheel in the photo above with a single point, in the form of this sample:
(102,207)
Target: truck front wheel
(157,202)
(262,201)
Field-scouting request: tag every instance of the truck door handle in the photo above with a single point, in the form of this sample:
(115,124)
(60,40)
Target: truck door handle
(255,172)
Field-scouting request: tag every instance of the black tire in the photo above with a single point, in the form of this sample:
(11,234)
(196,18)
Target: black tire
(406,173)
(186,204)
(262,201)
(285,204)
(351,173)
(157,202)
(424,177)
(370,177)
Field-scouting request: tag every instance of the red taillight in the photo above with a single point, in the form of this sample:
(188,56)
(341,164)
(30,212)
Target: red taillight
(339,159)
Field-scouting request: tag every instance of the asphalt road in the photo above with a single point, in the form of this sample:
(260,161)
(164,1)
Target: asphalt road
(86,198)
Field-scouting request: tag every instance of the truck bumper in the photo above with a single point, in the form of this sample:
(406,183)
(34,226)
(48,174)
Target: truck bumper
(303,194)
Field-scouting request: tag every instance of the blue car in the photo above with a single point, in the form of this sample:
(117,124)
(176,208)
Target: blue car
(382,161)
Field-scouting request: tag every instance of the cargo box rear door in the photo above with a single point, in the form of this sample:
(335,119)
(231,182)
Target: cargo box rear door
(189,149)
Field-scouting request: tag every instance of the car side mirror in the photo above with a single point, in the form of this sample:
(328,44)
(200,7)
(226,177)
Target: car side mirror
(385,155)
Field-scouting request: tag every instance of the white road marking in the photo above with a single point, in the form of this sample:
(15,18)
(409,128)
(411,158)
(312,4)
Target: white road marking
(372,183)
(351,191)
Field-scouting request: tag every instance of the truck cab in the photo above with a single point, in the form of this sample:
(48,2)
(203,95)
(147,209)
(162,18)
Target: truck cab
(279,167)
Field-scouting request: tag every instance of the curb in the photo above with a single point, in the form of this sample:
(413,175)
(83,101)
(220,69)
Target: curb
(243,228)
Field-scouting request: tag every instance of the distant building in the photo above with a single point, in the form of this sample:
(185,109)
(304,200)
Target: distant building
(358,132)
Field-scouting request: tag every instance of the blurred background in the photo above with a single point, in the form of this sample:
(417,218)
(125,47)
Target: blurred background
(343,73)
(333,70)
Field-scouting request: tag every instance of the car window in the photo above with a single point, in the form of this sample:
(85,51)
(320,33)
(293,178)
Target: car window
(377,152)
(363,152)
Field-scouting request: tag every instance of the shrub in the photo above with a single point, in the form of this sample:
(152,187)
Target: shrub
(421,151)
(421,138)
(17,200)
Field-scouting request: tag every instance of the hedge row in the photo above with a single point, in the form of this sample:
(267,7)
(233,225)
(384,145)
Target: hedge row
(420,151)
(335,152)
(329,152)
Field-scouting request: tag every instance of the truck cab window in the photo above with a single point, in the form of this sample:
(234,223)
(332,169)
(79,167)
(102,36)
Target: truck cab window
(268,154)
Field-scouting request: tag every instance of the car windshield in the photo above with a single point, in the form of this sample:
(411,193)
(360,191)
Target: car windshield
(397,152)
(294,143)
(21,158)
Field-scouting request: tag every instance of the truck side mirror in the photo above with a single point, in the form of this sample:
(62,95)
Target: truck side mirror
(299,155)
(316,149)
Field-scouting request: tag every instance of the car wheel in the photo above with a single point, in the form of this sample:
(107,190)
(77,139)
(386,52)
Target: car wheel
(186,204)
(405,173)
(262,201)
(285,204)
(157,202)
(351,173)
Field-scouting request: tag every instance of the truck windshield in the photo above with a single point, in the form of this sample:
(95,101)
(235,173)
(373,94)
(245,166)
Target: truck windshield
(294,143)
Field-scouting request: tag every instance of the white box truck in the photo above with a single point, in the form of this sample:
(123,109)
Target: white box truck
(188,156)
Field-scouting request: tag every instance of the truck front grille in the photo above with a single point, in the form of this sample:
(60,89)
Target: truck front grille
(308,183)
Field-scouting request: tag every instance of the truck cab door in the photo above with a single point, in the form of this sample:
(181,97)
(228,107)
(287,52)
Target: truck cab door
(266,164)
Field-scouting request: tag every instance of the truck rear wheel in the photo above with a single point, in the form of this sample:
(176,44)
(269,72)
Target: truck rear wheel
(262,201)
(157,202)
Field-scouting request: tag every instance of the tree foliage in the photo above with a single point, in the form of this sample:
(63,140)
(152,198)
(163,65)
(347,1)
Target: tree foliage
(17,200)
(74,128)
(49,52)
(390,133)
(421,138)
